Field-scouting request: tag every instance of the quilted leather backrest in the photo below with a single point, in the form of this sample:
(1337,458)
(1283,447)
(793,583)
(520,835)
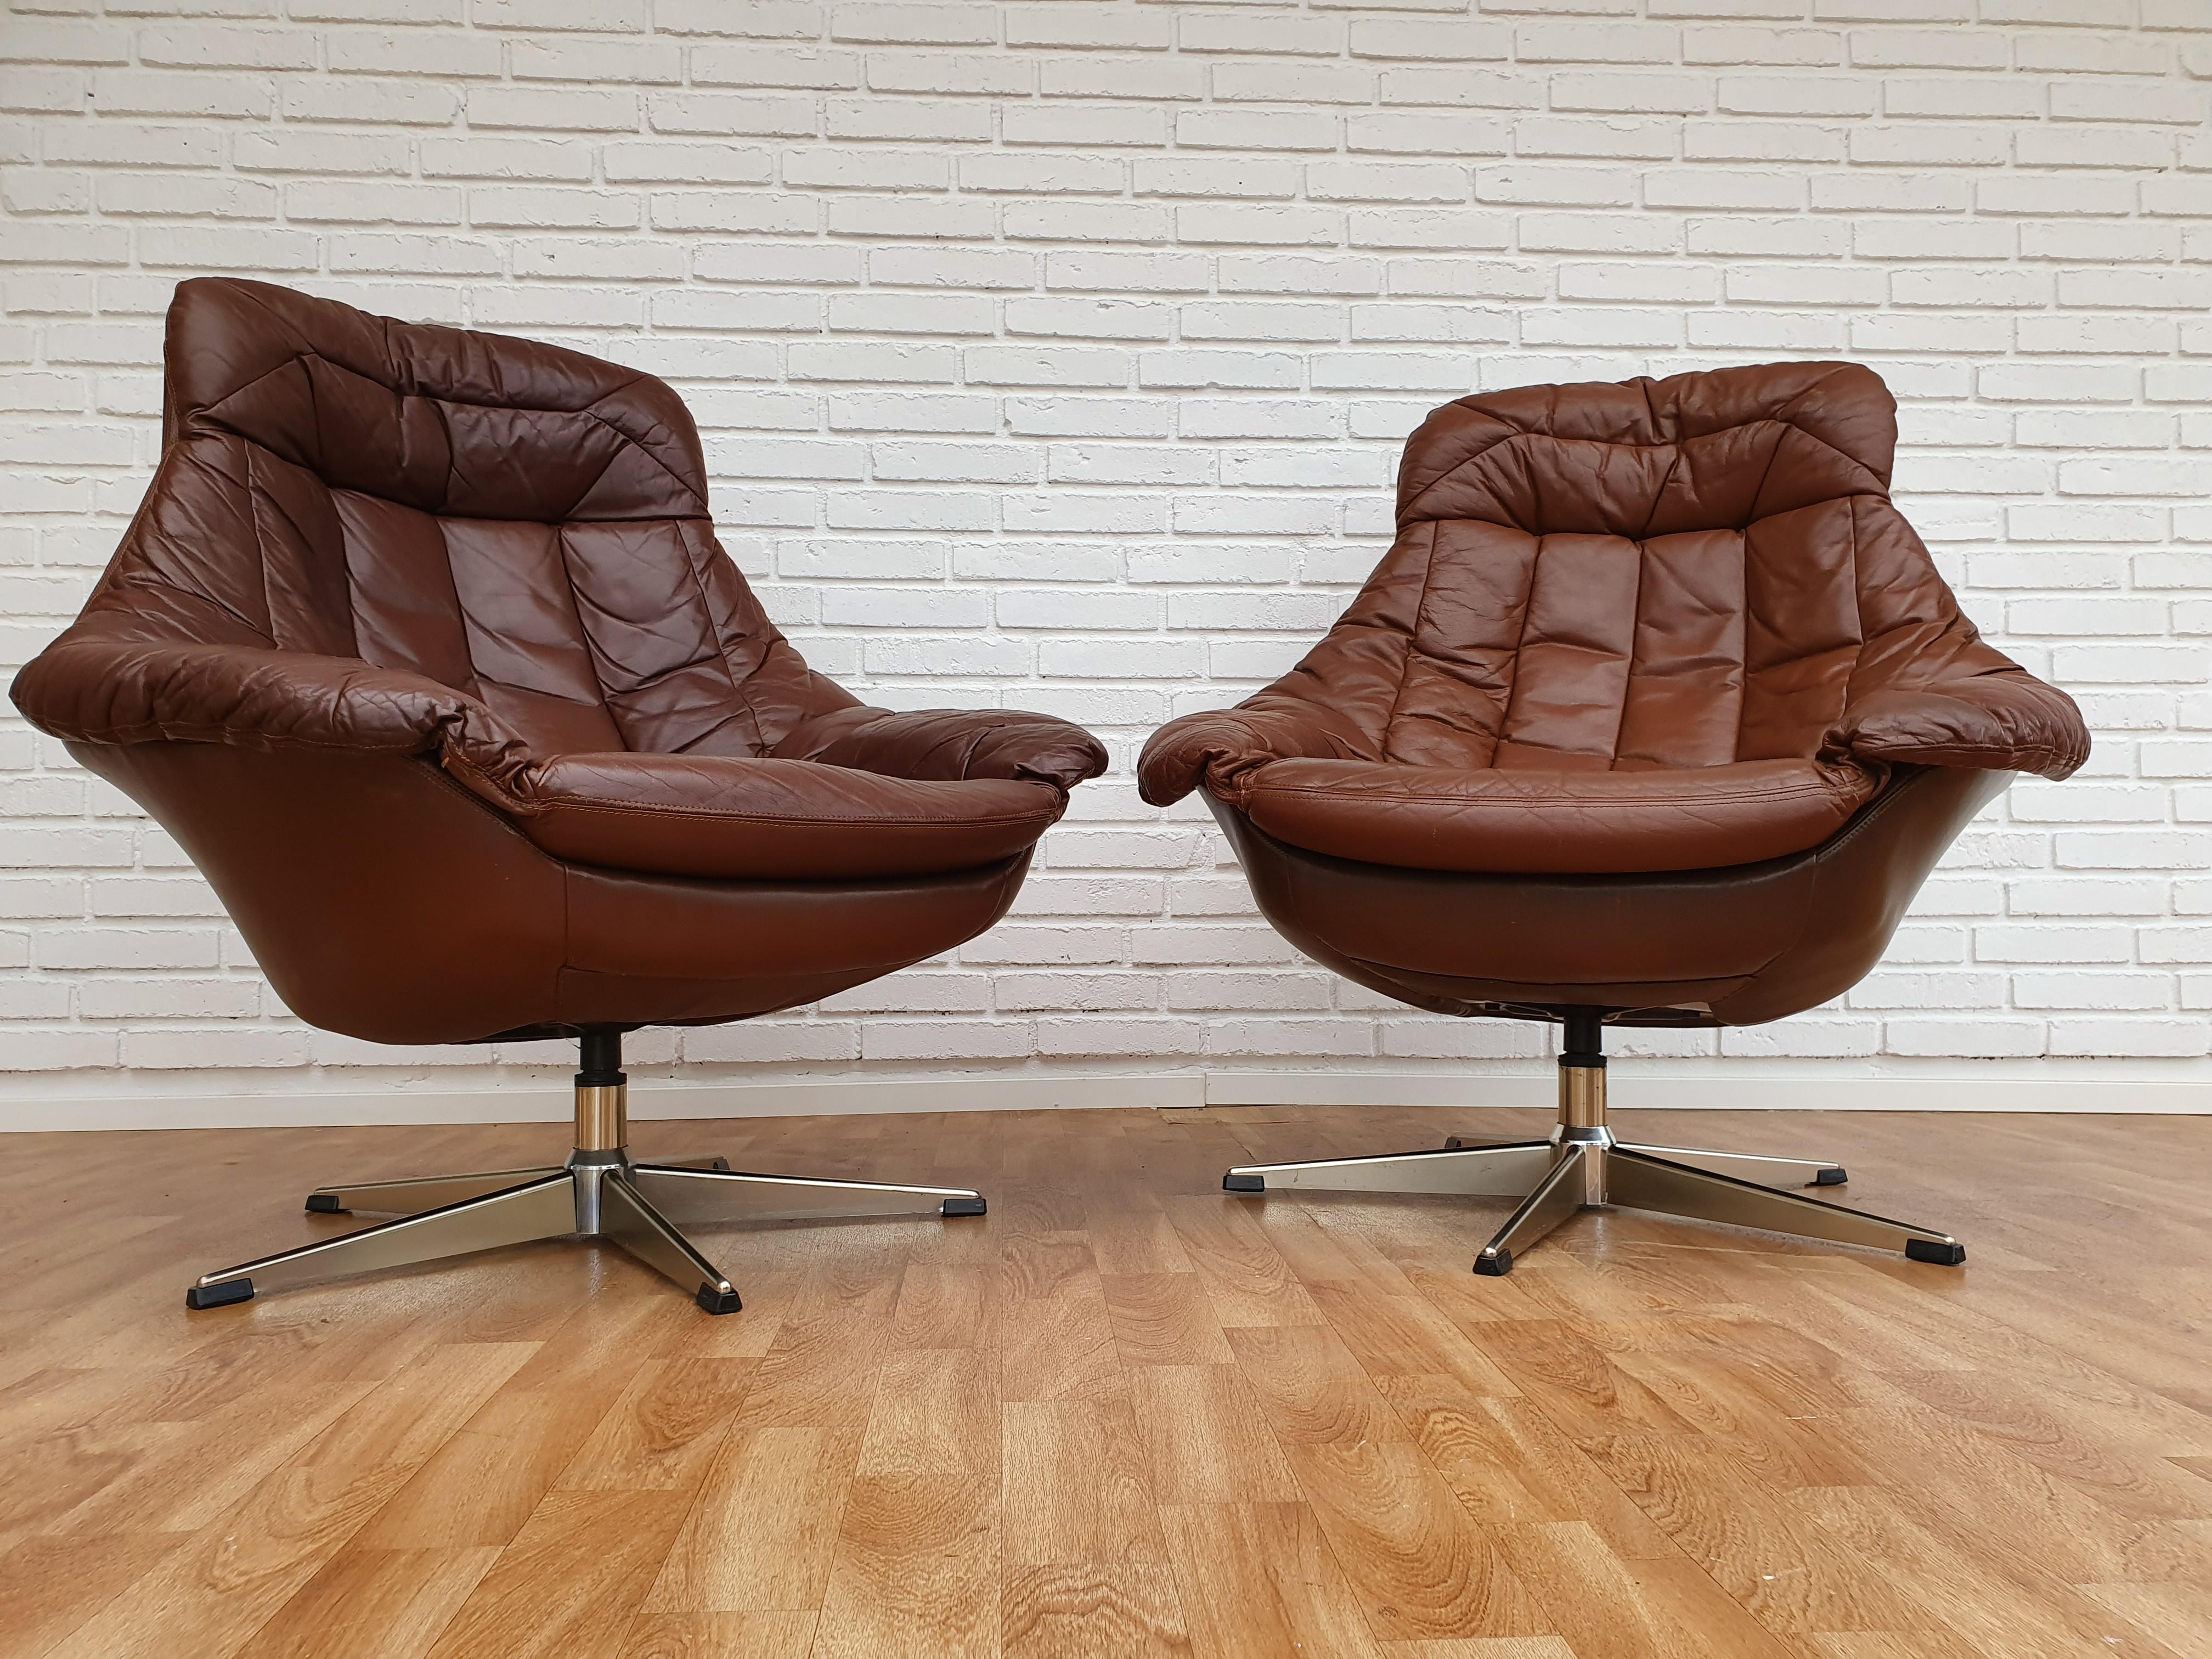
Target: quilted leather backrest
(1653,458)
(467,425)
(525,524)
(1684,572)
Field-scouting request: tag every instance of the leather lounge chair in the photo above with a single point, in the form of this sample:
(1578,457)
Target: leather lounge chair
(1657,713)
(423,646)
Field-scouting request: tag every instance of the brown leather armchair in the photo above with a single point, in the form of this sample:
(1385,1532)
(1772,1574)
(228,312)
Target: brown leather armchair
(423,646)
(1655,713)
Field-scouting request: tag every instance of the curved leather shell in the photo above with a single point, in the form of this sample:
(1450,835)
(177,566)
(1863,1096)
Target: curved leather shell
(1708,947)
(424,915)
(1684,575)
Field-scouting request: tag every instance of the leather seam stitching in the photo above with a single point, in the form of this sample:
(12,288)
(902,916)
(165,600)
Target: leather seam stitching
(738,693)
(1520,644)
(260,548)
(1413,636)
(592,411)
(178,732)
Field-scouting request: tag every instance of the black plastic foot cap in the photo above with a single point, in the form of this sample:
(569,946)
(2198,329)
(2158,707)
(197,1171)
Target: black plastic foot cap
(324,1204)
(1943,1255)
(716,1300)
(219,1296)
(1494,1264)
(1244,1183)
(966,1206)
(1834,1176)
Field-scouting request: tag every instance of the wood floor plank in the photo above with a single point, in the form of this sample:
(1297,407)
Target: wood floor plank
(944,1305)
(1484,1647)
(1704,1622)
(1259,1581)
(719,1636)
(1795,1577)
(915,1574)
(1418,1562)
(758,1538)
(820,1373)
(1164,1319)
(1077,1487)
(2178,1615)
(1247,1279)
(1508,1464)
(1130,1611)
(481,1486)
(2000,1603)
(936,1412)
(568,1585)
(50,1586)
(214,1592)
(1205,1438)
(663,1430)
(369,1604)
(1058,1347)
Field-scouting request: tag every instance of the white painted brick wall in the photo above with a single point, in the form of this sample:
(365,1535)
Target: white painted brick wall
(1059,354)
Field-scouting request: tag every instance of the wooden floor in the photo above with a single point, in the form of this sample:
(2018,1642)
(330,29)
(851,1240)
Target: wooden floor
(1124,1415)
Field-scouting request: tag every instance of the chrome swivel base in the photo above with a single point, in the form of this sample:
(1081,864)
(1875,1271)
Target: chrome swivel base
(600,1193)
(1582,1167)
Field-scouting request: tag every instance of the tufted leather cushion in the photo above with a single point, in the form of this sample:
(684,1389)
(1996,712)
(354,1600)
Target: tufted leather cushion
(1692,577)
(368,534)
(1562,822)
(704,815)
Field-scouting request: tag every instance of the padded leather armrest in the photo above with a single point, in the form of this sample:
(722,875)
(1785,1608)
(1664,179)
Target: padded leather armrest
(714,816)
(1221,748)
(2005,721)
(110,690)
(949,744)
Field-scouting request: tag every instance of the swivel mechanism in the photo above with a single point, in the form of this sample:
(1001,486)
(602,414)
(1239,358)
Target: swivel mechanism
(600,1193)
(1581,1166)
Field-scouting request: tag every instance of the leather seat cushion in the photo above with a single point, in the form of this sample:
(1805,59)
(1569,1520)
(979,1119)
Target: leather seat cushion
(711,816)
(1560,821)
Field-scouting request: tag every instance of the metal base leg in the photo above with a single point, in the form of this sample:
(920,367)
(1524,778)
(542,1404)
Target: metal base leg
(1642,1182)
(416,1193)
(1560,1195)
(635,1224)
(541,1208)
(1768,1171)
(725,1194)
(1506,1169)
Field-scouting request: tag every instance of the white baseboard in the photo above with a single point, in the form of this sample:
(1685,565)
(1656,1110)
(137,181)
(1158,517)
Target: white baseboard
(537,1102)
(2115,1087)
(1656,1084)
